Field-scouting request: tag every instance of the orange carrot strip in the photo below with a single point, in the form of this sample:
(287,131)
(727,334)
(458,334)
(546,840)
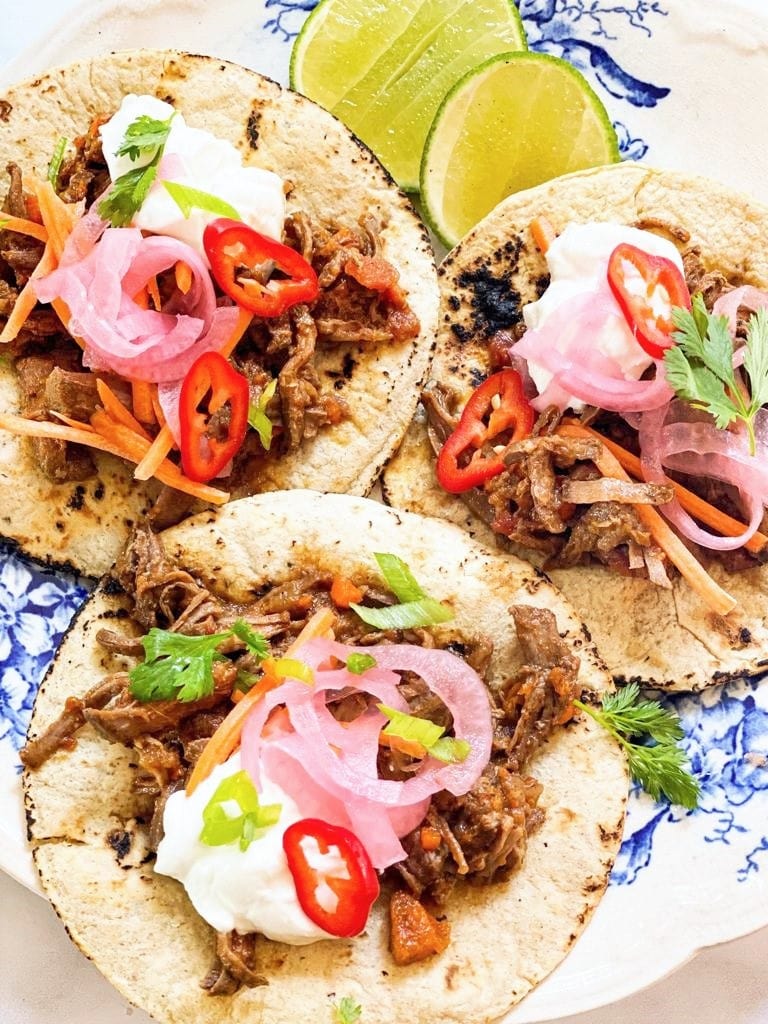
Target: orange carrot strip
(227,736)
(58,217)
(243,322)
(118,411)
(698,579)
(72,422)
(142,298)
(154,292)
(157,409)
(543,233)
(27,299)
(344,592)
(702,510)
(156,455)
(23,227)
(183,273)
(141,399)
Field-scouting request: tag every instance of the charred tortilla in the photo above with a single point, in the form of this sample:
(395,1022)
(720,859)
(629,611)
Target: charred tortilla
(332,178)
(662,638)
(139,928)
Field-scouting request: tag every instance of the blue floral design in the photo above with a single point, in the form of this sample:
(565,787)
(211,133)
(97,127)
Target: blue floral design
(289,17)
(35,609)
(726,739)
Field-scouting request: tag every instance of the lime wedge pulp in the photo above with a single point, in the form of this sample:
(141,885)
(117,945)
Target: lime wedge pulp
(515,121)
(383,66)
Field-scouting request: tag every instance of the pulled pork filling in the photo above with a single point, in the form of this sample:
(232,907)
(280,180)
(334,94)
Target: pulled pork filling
(346,311)
(551,498)
(480,837)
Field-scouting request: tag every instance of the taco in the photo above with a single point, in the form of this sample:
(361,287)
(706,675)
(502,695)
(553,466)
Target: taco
(572,401)
(511,869)
(324,300)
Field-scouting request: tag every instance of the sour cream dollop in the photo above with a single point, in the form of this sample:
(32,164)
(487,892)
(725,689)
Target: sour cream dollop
(246,890)
(578,260)
(195,158)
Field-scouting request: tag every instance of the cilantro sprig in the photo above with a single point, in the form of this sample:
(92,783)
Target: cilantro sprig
(179,667)
(143,136)
(699,367)
(660,767)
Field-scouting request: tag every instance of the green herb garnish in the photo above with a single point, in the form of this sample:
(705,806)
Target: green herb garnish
(659,767)
(425,733)
(700,366)
(221,825)
(359,663)
(257,415)
(346,1011)
(180,667)
(188,199)
(57,158)
(144,135)
(416,607)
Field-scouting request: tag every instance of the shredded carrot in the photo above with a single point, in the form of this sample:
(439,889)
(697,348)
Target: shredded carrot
(156,455)
(344,592)
(72,422)
(27,299)
(699,580)
(141,400)
(702,510)
(226,738)
(23,227)
(429,837)
(58,217)
(243,322)
(117,410)
(543,233)
(183,273)
(410,747)
(142,298)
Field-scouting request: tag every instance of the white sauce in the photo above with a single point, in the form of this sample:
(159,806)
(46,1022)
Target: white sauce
(250,890)
(198,160)
(578,263)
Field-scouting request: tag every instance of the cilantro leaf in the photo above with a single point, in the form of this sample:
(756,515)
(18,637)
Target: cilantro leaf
(346,1011)
(660,767)
(126,196)
(144,135)
(699,367)
(180,667)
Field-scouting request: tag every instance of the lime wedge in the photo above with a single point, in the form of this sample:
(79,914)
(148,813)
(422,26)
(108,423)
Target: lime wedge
(513,122)
(383,66)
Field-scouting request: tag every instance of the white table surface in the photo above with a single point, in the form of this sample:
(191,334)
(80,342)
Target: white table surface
(45,980)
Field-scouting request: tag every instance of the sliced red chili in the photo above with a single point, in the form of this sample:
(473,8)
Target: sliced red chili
(497,407)
(244,264)
(338,901)
(647,288)
(213,416)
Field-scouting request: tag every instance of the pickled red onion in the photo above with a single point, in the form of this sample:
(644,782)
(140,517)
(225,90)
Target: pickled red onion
(142,344)
(341,759)
(701,449)
(746,296)
(565,347)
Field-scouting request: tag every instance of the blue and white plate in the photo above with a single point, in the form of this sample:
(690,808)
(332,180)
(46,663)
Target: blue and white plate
(676,78)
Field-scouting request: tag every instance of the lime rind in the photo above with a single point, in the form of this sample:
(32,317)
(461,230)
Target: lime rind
(386,96)
(450,118)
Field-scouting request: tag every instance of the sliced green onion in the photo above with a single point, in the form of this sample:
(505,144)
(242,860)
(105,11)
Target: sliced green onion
(221,826)
(426,612)
(257,415)
(410,727)
(291,668)
(188,199)
(399,577)
(57,158)
(450,750)
(359,663)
